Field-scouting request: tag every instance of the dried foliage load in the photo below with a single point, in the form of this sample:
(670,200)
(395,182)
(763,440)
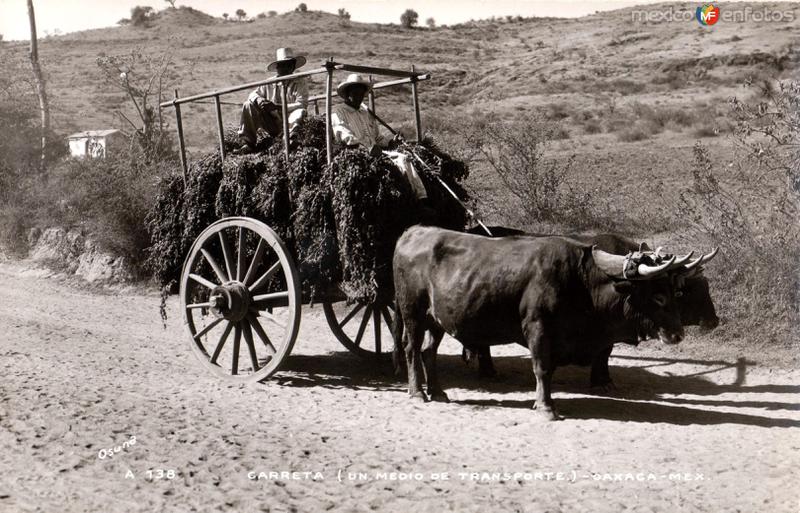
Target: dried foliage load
(340,222)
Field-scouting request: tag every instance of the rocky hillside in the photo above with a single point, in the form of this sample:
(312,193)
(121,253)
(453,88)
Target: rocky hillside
(580,71)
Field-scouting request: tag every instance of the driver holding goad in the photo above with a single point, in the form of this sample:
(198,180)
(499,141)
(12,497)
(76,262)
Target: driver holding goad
(353,124)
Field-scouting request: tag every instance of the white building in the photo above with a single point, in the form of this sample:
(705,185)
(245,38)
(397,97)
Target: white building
(92,143)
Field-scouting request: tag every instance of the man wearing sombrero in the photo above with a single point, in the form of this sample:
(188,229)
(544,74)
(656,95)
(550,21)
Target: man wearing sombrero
(263,107)
(353,124)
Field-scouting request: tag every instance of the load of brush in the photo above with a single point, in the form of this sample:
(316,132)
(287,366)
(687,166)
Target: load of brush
(340,222)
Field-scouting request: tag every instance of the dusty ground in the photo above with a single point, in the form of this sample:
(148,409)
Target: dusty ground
(86,371)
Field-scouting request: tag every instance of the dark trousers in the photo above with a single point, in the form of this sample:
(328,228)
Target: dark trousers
(267,118)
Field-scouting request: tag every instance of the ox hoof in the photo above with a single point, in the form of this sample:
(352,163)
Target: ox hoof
(546,413)
(418,397)
(440,397)
(605,388)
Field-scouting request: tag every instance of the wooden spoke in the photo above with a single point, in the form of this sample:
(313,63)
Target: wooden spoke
(202,281)
(262,334)
(265,277)
(271,318)
(198,305)
(387,317)
(237,337)
(207,329)
(364,321)
(221,342)
(261,298)
(251,348)
(352,314)
(242,254)
(227,253)
(376,324)
(262,247)
(214,265)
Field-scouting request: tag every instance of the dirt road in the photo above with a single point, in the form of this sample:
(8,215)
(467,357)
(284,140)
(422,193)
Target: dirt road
(84,373)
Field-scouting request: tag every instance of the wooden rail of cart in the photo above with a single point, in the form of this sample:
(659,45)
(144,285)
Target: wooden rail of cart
(240,282)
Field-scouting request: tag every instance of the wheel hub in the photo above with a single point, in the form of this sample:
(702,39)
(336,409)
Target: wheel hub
(230,301)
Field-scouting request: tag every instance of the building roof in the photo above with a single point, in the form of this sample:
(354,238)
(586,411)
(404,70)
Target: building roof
(93,133)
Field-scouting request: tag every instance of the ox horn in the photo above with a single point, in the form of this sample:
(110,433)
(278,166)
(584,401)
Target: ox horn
(682,260)
(703,259)
(612,265)
(650,271)
(710,256)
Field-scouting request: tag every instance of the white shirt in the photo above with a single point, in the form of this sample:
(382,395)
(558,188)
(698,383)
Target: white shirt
(354,126)
(296,92)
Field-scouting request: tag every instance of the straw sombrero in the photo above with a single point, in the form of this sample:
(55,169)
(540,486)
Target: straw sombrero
(284,55)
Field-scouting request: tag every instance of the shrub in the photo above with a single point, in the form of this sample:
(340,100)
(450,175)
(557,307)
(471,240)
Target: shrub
(431,23)
(344,17)
(261,15)
(141,15)
(409,18)
(272,14)
(751,213)
(637,132)
(543,190)
(592,126)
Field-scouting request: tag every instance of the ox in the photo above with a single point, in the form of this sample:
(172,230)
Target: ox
(694,304)
(566,301)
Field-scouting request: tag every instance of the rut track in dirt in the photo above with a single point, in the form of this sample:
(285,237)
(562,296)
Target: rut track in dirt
(85,372)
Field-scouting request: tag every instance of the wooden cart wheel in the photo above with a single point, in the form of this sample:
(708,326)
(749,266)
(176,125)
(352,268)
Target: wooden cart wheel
(240,286)
(366,330)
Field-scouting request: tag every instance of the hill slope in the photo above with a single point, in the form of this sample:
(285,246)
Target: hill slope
(582,66)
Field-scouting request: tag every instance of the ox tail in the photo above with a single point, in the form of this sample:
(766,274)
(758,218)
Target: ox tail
(398,353)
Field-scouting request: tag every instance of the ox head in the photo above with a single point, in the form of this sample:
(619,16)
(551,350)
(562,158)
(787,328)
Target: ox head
(646,281)
(692,290)
(659,289)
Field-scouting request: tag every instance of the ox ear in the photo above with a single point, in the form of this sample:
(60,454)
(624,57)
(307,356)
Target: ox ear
(643,247)
(623,287)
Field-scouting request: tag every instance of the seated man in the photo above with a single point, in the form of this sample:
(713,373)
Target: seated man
(353,124)
(263,107)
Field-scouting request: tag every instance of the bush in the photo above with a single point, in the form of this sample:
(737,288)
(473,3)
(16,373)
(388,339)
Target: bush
(543,190)
(261,15)
(409,18)
(751,213)
(141,15)
(272,14)
(301,8)
(431,23)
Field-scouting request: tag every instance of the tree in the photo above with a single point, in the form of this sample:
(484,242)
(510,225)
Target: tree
(272,14)
(431,23)
(261,15)
(140,15)
(41,91)
(344,17)
(240,14)
(225,15)
(302,8)
(143,78)
(409,18)
(171,3)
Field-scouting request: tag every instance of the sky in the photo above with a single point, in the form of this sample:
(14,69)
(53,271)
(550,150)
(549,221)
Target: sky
(74,15)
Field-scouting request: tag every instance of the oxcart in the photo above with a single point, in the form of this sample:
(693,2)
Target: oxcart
(241,284)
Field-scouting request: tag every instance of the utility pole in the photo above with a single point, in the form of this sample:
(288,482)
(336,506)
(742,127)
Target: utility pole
(44,107)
